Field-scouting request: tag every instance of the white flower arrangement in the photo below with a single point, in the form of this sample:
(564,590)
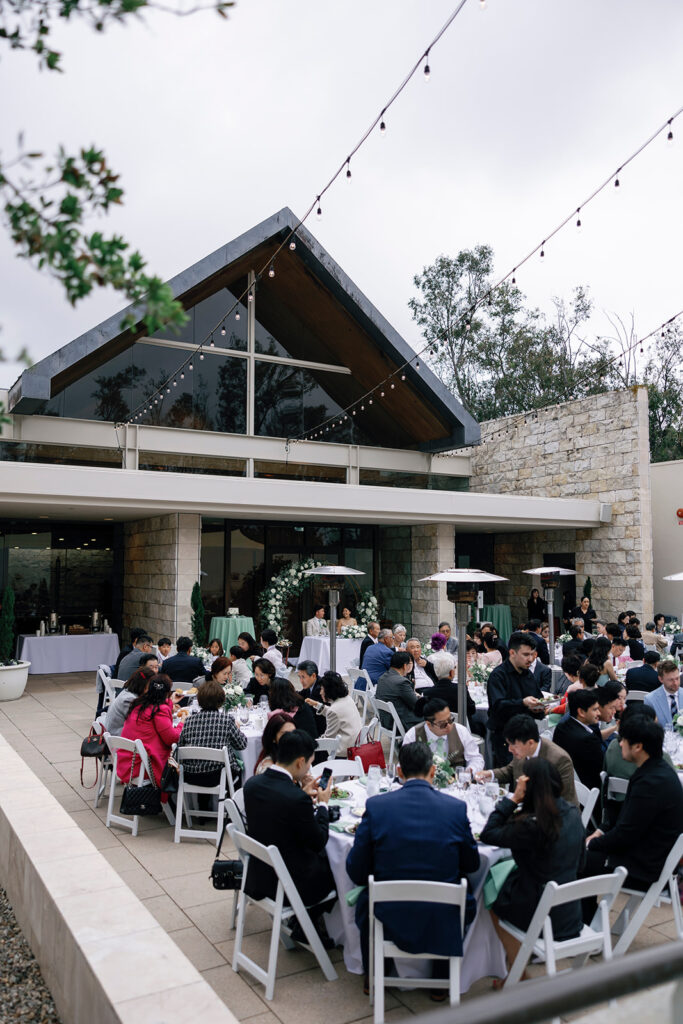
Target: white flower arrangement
(353,632)
(367,609)
(564,638)
(444,774)
(479,673)
(235,696)
(205,654)
(671,628)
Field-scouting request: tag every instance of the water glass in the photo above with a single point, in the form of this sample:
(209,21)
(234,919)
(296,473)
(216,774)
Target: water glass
(244,715)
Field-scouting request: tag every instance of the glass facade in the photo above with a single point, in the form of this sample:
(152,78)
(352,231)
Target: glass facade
(427,481)
(174,462)
(71,568)
(60,454)
(298,471)
(206,317)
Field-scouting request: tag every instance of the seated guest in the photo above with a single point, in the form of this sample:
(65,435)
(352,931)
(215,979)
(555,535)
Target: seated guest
(651,818)
(215,648)
(131,662)
(588,679)
(535,627)
(283,697)
(296,822)
(419,834)
(317,626)
(635,643)
(135,635)
(547,843)
(438,642)
(446,689)
(307,671)
(240,669)
(221,672)
(667,700)
(400,634)
(525,744)
(644,677)
(212,727)
(651,638)
(248,644)
(618,650)
(338,708)
(164,648)
(541,672)
(574,645)
(491,655)
(277,725)
(264,674)
(394,688)
(150,661)
(270,651)
(117,712)
(618,768)
(488,627)
(600,657)
(150,719)
(368,641)
(183,667)
(569,680)
(419,677)
(660,622)
(512,690)
(445,738)
(451,641)
(615,629)
(580,737)
(377,658)
(612,700)
(345,619)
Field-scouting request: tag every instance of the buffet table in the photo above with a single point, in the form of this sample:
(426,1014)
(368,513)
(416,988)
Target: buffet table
(227,628)
(317,649)
(50,655)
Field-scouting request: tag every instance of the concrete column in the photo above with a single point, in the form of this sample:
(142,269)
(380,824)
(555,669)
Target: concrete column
(433,548)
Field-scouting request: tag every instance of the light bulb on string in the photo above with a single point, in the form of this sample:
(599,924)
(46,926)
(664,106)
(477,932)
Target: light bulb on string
(417,364)
(616,180)
(201,355)
(175,383)
(670,134)
(237,315)
(542,252)
(382,126)
(292,244)
(381,394)
(212,343)
(319,211)
(190,367)
(182,376)
(427,69)
(271,270)
(348,169)
(223,332)
(168,391)
(393,386)
(250,296)
(578,218)
(370,402)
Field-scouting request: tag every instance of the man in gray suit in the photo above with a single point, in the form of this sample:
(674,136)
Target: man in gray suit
(451,641)
(667,700)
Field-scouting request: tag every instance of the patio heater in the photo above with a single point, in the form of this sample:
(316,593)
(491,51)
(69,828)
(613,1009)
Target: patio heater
(676,577)
(461,590)
(330,574)
(550,581)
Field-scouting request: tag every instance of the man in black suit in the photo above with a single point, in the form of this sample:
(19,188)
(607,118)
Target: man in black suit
(281,813)
(534,627)
(368,641)
(541,673)
(651,818)
(183,667)
(579,735)
(512,690)
(574,645)
(645,676)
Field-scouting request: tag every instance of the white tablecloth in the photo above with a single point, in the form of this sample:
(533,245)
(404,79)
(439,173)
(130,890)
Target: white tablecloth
(483,954)
(317,649)
(50,655)
(252,750)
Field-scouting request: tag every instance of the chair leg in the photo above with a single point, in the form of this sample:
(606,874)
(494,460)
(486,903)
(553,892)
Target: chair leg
(239,934)
(454,981)
(634,924)
(378,971)
(179,817)
(676,904)
(274,943)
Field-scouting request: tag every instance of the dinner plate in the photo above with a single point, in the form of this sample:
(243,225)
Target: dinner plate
(352,828)
(358,812)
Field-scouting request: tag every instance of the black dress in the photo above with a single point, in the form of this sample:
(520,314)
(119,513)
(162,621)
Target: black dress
(537,864)
(536,608)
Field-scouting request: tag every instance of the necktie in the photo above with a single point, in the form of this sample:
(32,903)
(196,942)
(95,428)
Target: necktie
(674,706)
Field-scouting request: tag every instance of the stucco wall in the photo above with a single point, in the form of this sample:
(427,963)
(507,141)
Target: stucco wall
(596,448)
(161,565)
(667,535)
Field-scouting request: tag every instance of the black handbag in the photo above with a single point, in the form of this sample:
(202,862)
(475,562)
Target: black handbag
(141,800)
(226,874)
(170,777)
(94,745)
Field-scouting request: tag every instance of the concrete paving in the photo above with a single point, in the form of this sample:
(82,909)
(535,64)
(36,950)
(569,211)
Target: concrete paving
(46,728)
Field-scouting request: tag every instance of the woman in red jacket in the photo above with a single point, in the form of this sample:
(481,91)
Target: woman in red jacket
(150,719)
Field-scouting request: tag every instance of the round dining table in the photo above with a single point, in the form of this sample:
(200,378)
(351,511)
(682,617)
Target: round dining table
(317,649)
(227,628)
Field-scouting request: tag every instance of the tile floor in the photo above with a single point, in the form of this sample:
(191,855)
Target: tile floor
(46,727)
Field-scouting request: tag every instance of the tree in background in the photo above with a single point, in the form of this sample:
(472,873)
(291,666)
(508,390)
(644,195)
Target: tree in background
(587,588)
(7,627)
(502,358)
(198,616)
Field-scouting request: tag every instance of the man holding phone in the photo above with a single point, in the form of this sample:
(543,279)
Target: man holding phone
(286,808)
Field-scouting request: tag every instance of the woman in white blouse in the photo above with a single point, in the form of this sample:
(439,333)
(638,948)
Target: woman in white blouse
(340,711)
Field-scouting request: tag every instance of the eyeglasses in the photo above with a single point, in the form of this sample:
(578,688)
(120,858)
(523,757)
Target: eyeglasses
(442,725)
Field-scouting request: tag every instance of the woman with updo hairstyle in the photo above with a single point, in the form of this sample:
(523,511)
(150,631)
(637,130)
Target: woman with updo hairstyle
(339,710)
(151,720)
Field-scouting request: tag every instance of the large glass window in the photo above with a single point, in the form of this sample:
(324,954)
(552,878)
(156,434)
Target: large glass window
(174,462)
(298,471)
(289,400)
(213,566)
(60,454)
(427,481)
(207,317)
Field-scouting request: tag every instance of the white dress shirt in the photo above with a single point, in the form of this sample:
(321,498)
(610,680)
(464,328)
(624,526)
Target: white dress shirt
(438,744)
(316,627)
(273,655)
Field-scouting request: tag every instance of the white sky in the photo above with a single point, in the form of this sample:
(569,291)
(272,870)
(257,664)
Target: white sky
(216,125)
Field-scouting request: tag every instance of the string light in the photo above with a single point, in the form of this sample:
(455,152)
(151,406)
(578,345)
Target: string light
(237,315)
(578,218)
(292,244)
(319,211)
(542,253)
(382,125)
(190,367)
(427,70)
(271,270)
(201,356)
(223,332)
(616,180)
(348,169)
(182,376)
(212,343)
(670,134)
(250,296)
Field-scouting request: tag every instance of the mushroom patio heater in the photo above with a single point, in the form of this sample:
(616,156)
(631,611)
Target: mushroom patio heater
(550,581)
(676,577)
(461,589)
(330,574)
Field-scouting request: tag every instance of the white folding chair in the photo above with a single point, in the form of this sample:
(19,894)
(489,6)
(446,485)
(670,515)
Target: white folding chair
(628,923)
(339,768)
(238,799)
(361,695)
(247,848)
(587,799)
(106,764)
(239,821)
(439,893)
(636,695)
(368,732)
(330,745)
(594,938)
(115,744)
(190,789)
(396,732)
(108,685)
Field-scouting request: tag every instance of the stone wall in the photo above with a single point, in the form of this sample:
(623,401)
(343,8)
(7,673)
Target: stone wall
(597,448)
(433,549)
(394,591)
(161,565)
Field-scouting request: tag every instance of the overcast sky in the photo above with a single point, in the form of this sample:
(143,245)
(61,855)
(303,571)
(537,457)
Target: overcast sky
(214,125)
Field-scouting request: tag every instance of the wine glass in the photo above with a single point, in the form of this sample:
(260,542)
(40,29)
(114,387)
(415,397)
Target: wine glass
(244,715)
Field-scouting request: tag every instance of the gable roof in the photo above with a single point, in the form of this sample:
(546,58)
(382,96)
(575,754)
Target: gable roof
(329,319)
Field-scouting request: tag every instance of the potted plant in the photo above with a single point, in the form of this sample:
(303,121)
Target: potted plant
(13,673)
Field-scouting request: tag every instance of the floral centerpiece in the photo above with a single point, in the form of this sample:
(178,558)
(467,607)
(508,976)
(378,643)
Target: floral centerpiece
(353,632)
(671,628)
(235,697)
(205,654)
(479,673)
(445,772)
(564,638)
(367,610)
(427,649)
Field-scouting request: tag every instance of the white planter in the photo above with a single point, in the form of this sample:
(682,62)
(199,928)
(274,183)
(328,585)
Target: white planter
(13,680)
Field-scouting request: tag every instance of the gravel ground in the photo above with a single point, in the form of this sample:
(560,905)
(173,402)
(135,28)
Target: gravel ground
(24,996)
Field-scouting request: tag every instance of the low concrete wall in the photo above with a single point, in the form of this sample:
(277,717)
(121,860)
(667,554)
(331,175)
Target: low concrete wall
(103,956)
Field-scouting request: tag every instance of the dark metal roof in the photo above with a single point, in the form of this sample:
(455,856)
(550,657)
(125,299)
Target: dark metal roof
(449,424)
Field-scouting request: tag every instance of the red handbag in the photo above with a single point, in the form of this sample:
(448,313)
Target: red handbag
(369,753)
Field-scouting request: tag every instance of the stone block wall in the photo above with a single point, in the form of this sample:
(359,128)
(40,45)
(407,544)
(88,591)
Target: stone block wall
(433,548)
(161,565)
(394,589)
(596,447)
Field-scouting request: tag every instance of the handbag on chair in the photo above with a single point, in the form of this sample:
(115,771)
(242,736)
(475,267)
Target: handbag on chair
(226,874)
(140,800)
(94,745)
(369,753)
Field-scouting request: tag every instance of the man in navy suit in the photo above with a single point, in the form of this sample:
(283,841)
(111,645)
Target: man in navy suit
(378,657)
(645,676)
(183,667)
(667,699)
(419,834)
